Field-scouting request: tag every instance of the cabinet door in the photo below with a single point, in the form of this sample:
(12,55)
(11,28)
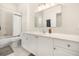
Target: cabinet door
(59,51)
(30,44)
(33,44)
(25,41)
(68,46)
(45,46)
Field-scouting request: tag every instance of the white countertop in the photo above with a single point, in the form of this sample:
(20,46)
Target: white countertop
(58,35)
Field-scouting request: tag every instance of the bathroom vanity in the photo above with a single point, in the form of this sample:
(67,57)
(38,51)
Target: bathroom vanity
(55,44)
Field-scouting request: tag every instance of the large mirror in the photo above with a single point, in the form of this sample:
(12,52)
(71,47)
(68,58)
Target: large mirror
(10,23)
(48,17)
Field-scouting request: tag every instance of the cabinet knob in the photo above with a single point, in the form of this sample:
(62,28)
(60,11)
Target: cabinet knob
(54,48)
(68,45)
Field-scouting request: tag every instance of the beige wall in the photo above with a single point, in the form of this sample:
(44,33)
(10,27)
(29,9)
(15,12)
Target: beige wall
(9,24)
(6,23)
(27,11)
(70,19)
(24,8)
(6,11)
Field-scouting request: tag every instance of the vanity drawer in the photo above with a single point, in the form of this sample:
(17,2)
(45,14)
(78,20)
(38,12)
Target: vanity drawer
(67,44)
(58,51)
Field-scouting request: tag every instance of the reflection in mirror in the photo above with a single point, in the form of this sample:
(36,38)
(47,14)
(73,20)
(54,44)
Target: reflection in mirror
(16,25)
(59,19)
(7,27)
(53,13)
(39,19)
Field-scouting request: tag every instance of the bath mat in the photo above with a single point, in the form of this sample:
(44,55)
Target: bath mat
(5,51)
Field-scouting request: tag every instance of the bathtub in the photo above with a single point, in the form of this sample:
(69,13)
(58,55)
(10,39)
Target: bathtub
(7,41)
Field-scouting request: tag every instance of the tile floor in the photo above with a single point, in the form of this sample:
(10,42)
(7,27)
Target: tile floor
(18,51)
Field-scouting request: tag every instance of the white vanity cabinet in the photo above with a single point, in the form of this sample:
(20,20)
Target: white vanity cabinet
(30,42)
(45,46)
(66,48)
(33,44)
(49,46)
(38,45)
(58,51)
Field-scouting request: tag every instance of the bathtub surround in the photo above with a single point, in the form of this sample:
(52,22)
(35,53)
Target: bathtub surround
(7,41)
(11,46)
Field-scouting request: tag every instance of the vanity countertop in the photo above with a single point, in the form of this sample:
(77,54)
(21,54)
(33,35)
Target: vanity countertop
(57,35)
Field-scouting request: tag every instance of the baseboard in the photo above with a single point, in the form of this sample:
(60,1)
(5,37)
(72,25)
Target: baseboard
(30,54)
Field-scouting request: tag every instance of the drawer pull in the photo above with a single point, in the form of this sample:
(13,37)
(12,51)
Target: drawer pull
(68,45)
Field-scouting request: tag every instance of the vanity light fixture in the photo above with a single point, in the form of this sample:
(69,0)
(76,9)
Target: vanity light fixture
(44,6)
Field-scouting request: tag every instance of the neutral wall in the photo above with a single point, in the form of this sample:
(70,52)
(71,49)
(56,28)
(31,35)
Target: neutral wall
(22,8)
(6,11)
(70,19)
(9,24)
(28,11)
